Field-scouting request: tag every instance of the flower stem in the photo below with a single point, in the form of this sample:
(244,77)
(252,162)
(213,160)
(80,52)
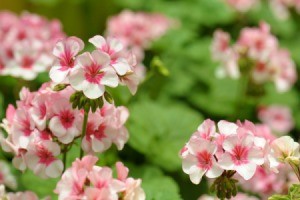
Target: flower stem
(65,157)
(84,125)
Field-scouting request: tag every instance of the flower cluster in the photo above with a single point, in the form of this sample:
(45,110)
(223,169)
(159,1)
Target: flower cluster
(242,5)
(255,54)
(44,125)
(277,117)
(227,149)
(85,180)
(138,30)
(26,44)
(240,151)
(232,147)
(110,64)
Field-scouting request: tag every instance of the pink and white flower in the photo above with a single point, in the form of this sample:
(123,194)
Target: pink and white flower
(113,48)
(200,160)
(93,74)
(65,51)
(277,117)
(259,42)
(221,45)
(84,180)
(27,42)
(39,112)
(256,53)
(286,150)
(101,178)
(22,127)
(72,183)
(206,130)
(133,189)
(283,70)
(241,155)
(65,123)
(98,138)
(138,29)
(41,157)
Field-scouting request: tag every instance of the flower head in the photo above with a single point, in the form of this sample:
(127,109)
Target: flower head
(93,74)
(65,52)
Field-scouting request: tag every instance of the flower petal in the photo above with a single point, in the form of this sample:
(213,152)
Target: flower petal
(55,169)
(110,78)
(98,41)
(247,170)
(94,91)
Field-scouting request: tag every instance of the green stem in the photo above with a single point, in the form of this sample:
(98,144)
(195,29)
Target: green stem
(84,125)
(242,95)
(65,157)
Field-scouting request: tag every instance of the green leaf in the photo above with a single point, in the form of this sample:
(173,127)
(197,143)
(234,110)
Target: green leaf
(156,185)
(159,131)
(279,197)
(42,187)
(294,192)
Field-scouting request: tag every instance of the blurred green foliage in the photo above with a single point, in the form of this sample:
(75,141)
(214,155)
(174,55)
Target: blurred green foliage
(167,109)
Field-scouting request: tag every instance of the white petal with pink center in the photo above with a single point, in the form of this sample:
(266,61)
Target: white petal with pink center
(41,158)
(65,124)
(93,74)
(200,160)
(241,155)
(65,50)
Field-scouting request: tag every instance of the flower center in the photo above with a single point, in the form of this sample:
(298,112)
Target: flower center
(93,74)
(66,61)
(240,155)
(67,118)
(26,127)
(204,160)
(43,111)
(99,133)
(27,62)
(46,157)
(101,184)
